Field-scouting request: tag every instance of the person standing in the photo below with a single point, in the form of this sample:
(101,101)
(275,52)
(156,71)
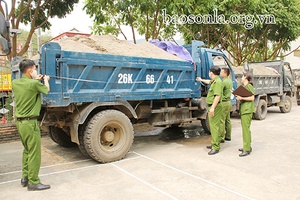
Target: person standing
(246,112)
(225,126)
(213,100)
(27,95)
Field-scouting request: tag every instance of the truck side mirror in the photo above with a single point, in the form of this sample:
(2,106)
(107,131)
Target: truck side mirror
(4,45)
(4,32)
(246,67)
(3,28)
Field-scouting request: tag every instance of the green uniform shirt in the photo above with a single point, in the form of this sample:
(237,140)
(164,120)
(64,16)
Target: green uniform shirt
(216,88)
(248,106)
(27,96)
(227,89)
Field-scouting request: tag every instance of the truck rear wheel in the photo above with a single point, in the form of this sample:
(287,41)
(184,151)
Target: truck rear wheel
(60,137)
(261,110)
(205,124)
(108,136)
(298,95)
(81,146)
(287,105)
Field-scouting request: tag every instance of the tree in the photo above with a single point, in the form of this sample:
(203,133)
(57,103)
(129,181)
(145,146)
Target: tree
(36,14)
(264,28)
(253,30)
(109,15)
(141,15)
(33,45)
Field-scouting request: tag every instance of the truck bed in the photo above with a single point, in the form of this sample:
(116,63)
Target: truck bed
(265,79)
(78,77)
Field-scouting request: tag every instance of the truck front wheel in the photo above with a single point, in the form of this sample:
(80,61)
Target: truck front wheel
(108,136)
(287,105)
(261,110)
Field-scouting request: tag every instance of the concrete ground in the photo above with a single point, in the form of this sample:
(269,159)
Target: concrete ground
(171,164)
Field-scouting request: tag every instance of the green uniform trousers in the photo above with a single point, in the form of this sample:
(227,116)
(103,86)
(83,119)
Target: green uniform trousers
(214,124)
(246,122)
(31,139)
(225,126)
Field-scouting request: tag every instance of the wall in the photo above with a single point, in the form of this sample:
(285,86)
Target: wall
(9,132)
(294,58)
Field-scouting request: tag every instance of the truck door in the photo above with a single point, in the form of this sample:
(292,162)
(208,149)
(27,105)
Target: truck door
(222,62)
(288,80)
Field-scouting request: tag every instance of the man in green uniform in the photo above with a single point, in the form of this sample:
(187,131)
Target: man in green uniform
(27,95)
(213,100)
(225,126)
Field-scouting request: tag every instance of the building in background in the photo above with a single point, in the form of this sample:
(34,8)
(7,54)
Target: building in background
(294,57)
(71,33)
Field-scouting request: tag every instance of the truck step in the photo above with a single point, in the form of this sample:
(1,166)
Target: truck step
(169,122)
(166,110)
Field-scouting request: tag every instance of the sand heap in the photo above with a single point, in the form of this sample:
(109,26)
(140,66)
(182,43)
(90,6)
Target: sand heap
(258,70)
(238,70)
(107,44)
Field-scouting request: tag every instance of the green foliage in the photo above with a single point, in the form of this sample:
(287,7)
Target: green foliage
(36,14)
(141,15)
(262,38)
(5,103)
(33,50)
(259,29)
(39,11)
(9,115)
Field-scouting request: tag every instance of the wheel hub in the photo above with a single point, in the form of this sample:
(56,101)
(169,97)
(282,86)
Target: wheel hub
(109,136)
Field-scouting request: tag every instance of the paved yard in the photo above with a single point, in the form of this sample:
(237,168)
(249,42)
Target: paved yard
(171,164)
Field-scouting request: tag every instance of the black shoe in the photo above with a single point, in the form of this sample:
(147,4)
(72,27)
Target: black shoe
(208,147)
(24,182)
(222,141)
(212,152)
(228,139)
(241,149)
(244,153)
(38,186)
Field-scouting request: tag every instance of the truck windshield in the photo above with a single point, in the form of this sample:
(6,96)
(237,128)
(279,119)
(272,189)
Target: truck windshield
(220,62)
(288,74)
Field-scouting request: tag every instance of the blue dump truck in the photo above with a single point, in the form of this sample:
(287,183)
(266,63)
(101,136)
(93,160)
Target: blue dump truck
(96,98)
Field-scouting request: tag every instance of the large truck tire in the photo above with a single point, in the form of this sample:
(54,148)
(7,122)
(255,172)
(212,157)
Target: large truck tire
(287,105)
(81,146)
(261,110)
(205,124)
(60,137)
(108,136)
(298,95)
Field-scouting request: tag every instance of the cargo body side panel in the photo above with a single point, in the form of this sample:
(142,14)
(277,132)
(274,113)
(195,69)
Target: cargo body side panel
(87,77)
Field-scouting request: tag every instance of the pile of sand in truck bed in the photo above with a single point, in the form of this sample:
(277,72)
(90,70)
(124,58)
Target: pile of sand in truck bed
(258,70)
(238,70)
(107,44)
